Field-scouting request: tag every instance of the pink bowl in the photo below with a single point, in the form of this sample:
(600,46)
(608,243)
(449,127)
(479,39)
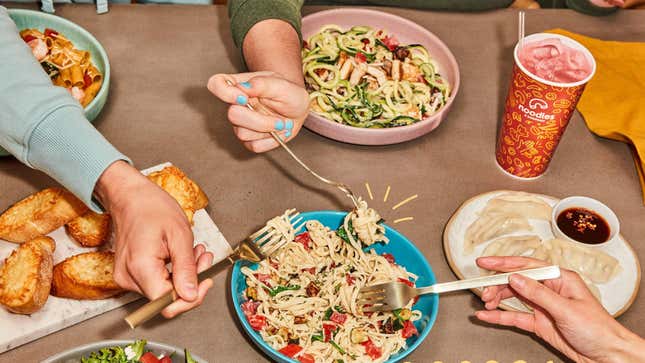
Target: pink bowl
(406,32)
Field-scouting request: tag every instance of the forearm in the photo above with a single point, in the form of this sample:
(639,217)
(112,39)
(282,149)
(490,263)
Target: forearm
(629,348)
(274,45)
(42,125)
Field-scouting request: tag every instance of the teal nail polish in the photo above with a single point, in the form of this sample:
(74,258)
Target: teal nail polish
(246,85)
(287,134)
(279,125)
(289,124)
(241,100)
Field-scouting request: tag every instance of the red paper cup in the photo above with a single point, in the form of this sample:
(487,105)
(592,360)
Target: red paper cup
(536,114)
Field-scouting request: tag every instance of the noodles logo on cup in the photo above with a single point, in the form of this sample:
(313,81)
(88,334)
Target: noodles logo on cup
(536,114)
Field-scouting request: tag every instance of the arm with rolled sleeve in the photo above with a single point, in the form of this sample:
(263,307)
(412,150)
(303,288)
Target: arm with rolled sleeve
(42,125)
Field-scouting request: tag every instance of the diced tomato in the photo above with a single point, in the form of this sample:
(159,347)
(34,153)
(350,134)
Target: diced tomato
(409,329)
(365,41)
(290,350)
(306,358)
(165,360)
(368,313)
(264,278)
(28,38)
(50,32)
(349,279)
(390,42)
(338,318)
(328,330)
(250,307)
(372,350)
(274,264)
(303,238)
(405,281)
(87,81)
(257,321)
(360,57)
(389,257)
(311,270)
(148,358)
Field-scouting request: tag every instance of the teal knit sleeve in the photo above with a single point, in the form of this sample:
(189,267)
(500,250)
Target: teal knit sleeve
(42,125)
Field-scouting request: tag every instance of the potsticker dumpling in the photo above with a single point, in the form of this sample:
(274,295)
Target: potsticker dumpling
(490,226)
(511,246)
(591,263)
(519,203)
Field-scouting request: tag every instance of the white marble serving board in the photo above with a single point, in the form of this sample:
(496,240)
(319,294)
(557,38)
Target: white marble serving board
(59,313)
(616,295)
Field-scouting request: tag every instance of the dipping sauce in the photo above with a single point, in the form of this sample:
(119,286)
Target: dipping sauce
(583,225)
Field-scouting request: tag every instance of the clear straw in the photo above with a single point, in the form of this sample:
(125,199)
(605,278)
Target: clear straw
(520,28)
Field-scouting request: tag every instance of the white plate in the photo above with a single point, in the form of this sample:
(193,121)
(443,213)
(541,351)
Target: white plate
(617,295)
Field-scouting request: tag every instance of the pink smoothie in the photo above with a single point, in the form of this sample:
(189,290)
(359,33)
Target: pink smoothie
(552,60)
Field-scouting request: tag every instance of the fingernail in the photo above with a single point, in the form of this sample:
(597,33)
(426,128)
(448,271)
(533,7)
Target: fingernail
(241,100)
(287,134)
(516,281)
(191,290)
(289,124)
(246,85)
(279,125)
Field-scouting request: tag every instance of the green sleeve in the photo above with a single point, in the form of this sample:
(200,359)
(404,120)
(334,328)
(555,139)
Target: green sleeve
(586,7)
(42,125)
(243,14)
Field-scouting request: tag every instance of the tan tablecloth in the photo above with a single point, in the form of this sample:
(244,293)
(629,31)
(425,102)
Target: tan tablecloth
(159,110)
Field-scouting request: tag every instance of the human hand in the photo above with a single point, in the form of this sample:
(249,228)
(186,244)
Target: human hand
(151,229)
(566,314)
(287,103)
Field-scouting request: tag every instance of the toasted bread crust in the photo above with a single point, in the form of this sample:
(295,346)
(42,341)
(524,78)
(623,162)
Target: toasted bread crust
(86,276)
(39,214)
(26,276)
(184,190)
(90,230)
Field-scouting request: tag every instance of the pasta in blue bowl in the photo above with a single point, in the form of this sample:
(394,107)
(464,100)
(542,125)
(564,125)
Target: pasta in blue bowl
(301,305)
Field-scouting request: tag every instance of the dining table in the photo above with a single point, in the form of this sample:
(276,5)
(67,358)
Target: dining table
(160,110)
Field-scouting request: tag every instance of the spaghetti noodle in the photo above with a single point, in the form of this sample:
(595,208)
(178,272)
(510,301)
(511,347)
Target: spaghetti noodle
(303,300)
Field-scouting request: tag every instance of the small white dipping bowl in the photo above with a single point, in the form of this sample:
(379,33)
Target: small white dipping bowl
(586,203)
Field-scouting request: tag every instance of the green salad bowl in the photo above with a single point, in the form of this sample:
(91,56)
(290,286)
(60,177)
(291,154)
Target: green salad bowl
(81,38)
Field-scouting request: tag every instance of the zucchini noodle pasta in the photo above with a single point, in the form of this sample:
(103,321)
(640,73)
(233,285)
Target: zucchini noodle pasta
(303,300)
(362,77)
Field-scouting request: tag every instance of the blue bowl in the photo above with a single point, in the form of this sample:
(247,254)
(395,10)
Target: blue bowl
(405,253)
(81,38)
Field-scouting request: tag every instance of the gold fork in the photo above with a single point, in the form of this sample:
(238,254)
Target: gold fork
(255,248)
(396,295)
(259,107)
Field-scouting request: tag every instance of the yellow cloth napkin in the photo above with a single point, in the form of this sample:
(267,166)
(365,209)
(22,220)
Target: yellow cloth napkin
(613,103)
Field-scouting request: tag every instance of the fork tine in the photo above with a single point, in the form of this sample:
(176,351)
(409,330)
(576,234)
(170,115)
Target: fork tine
(299,227)
(275,247)
(293,223)
(274,244)
(375,300)
(263,238)
(258,233)
(376,308)
(374,288)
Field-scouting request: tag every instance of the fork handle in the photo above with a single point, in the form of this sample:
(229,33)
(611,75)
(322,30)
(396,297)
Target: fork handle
(154,307)
(540,273)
